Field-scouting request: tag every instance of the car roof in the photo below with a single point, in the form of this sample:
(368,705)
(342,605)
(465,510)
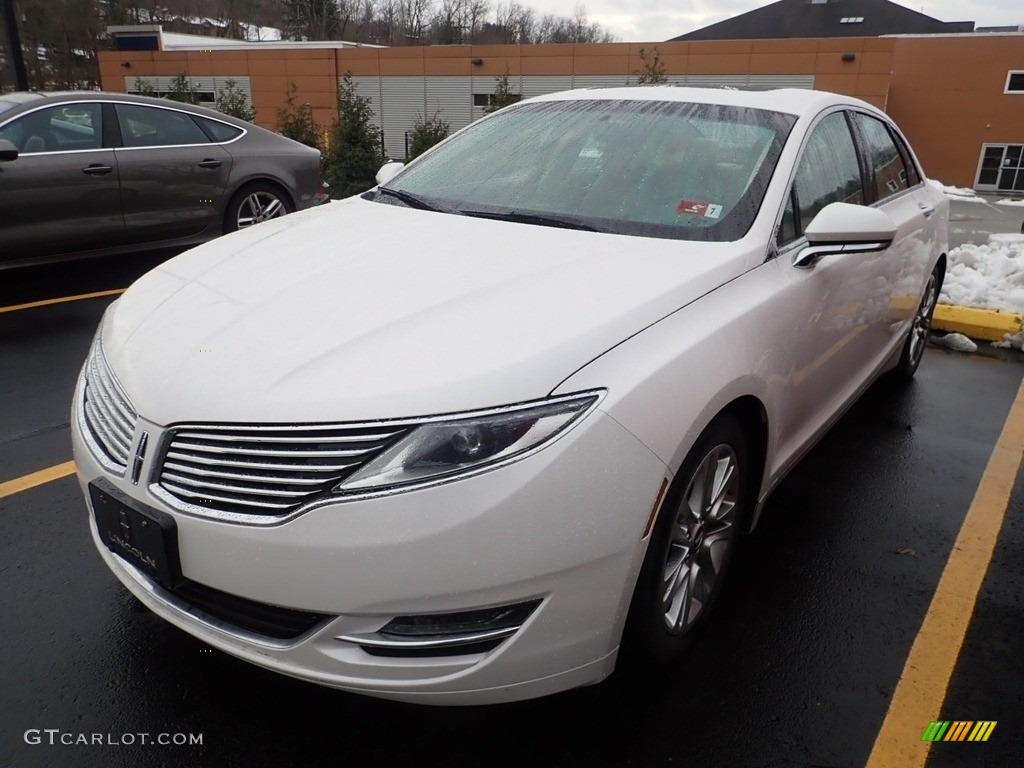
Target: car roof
(795,101)
(25,99)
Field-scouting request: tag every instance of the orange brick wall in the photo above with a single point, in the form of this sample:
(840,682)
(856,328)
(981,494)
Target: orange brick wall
(947,95)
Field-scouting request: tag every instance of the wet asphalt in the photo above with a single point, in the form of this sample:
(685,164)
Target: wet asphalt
(797,669)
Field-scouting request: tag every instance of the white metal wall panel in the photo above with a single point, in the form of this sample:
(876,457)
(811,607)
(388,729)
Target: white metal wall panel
(539,85)
(403,99)
(781,81)
(600,81)
(451,98)
(369,88)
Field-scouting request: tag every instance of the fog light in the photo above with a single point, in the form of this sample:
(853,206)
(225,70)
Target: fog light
(445,634)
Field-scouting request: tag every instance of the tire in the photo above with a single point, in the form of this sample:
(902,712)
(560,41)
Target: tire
(691,546)
(254,203)
(917,338)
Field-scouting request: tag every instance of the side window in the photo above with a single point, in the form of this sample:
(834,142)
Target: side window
(218,130)
(913,176)
(143,126)
(828,172)
(65,128)
(787,227)
(888,169)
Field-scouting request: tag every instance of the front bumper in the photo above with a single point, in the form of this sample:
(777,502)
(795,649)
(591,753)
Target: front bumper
(562,526)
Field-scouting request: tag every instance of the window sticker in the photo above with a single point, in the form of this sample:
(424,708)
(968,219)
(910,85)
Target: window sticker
(696,208)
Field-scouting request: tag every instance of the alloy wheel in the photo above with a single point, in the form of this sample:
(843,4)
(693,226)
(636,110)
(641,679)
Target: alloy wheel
(701,536)
(259,206)
(923,321)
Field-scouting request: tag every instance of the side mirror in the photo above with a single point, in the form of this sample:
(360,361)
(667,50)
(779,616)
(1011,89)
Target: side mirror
(845,228)
(388,171)
(7,150)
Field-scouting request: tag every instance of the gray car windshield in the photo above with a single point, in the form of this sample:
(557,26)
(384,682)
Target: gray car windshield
(651,168)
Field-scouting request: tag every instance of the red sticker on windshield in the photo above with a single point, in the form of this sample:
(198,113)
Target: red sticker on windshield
(696,208)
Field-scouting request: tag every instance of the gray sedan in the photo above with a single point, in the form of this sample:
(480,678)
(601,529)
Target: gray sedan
(90,173)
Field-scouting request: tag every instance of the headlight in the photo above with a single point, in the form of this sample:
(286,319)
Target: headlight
(440,449)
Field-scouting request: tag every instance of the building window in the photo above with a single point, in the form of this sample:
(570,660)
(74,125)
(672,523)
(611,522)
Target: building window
(487,99)
(1014,81)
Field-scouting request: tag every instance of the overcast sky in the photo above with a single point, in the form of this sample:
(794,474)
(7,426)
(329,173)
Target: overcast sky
(656,20)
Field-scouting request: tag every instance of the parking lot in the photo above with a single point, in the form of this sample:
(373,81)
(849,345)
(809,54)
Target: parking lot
(855,580)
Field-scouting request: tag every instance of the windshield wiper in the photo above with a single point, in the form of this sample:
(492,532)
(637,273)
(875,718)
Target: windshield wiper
(415,201)
(543,219)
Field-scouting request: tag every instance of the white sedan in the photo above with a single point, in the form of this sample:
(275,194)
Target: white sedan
(481,432)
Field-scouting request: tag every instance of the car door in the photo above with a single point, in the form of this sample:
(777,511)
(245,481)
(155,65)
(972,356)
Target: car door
(830,313)
(172,175)
(894,185)
(61,194)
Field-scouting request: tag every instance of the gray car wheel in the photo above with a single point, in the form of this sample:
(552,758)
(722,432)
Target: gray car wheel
(917,339)
(255,203)
(691,546)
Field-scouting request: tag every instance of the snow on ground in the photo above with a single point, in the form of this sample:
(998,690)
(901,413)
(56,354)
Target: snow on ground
(1008,201)
(955,341)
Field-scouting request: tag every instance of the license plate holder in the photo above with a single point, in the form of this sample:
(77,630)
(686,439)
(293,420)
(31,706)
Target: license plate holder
(144,537)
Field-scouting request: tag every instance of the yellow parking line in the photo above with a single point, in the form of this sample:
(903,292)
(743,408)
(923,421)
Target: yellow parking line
(921,690)
(61,300)
(11,487)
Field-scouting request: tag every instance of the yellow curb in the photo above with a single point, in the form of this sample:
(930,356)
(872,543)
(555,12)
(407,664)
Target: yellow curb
(986,324)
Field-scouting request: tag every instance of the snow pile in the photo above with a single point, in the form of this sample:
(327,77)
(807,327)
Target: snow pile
(1015,341)
(963,194)
(989,276)
(1008,201)
(955,341)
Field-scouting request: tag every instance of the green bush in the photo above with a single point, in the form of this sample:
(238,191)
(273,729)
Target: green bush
(653,70)
(182,90)
(231,100)
(503,95)
(425,133)
(354,152)
(296,121)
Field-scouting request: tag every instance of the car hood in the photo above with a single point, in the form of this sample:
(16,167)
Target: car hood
(362,311)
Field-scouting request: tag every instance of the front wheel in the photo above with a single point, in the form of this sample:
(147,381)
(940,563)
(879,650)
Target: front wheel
(692,544)
(254,203)
(917,339)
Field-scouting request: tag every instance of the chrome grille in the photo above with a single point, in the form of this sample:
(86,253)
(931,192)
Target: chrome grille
(108,414)
(265,470)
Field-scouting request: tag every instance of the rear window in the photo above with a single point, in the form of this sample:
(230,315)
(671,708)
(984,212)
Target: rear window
(651,168)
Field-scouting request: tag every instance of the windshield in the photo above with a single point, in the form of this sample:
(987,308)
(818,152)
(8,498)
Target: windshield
(652,168)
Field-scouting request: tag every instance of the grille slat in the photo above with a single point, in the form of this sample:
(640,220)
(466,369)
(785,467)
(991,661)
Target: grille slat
(264,478)
(200,496)
(103,430)
(268,470)
(222,461)
(107,413)
(233,488)
(282,438)
(102,414)
(108,395)
(272,452)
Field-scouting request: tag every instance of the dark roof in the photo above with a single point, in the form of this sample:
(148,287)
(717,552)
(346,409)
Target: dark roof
(824,18)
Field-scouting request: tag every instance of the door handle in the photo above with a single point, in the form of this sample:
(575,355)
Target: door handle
(926,209)
(96,169)
(210,163)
